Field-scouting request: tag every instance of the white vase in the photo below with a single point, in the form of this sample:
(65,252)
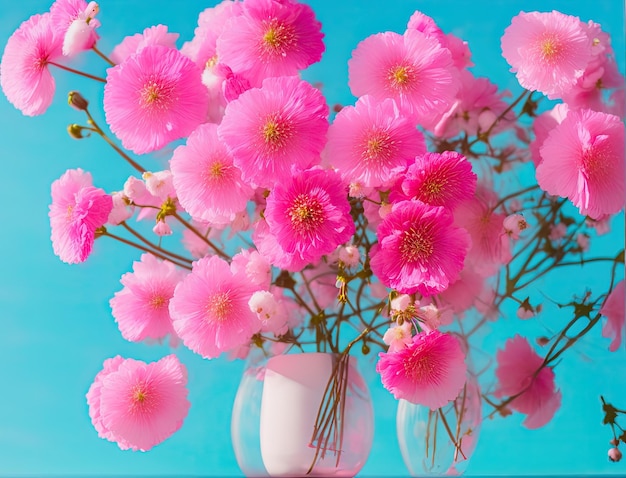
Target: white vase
(296,397)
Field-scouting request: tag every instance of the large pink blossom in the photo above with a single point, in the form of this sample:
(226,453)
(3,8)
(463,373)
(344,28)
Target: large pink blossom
(24,75)
(614,309)
(138,405)
(413,69)
(548,51)
(536,393)
(371,143)
(210,310)
(440,179)
(429,371)
(273,128)
(310,214)
(269,247)
(77,210)
(141,307)
(419,249)
(153,98)
(583,160)
(208,184)
(271,38)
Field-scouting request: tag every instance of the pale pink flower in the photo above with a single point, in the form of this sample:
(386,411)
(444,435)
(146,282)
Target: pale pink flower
(269,247)
(207,183)
(431,317)
(136,191)
(440,179)
(272,128)
(547,51)
(517,374)
(210,311)
(583,160)
(121,211)
(413,69)
(139,405)
(141,307)
(162,228)
(323,285)
(514,224)
(490,246)
(372,142)
(270,39)
(419,249)
(81,34)
(614,310)
(542,125)
(78,209)
(156,35)
(583,242)
(255,266)
(75,21)
(212,22)
(464,292)
(349,255)
(478,104)
(430,371)
(154,97)
(160,184)
(24,75)
(310,214)
(425,24)
(398,337)
(557,231)
(271,312)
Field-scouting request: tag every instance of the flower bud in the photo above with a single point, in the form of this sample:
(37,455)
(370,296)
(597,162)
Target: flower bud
(76,101)
(615,455)
(75,131)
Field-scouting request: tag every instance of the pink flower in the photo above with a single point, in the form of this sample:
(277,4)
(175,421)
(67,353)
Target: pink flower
(419,249)
(583,160)
(430,371)
(268,246)
(156,35)
(212,22)
(75,20)
(138,405)
(398,337)
(543,124)
(255,266)
(371,143)
(614,310)
(24,75)
(141,307)
(271,38)
(154,97)
(310,214)
(490,245)
(272,128)
(77,210)
(413,69)
(207,183)
(547,51)
(210,310)
(440,179)
(516,373)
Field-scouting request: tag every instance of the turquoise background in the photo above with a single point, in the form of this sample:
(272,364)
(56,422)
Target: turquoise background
(55,324)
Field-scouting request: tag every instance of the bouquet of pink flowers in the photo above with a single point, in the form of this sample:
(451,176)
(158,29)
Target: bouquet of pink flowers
(405,222)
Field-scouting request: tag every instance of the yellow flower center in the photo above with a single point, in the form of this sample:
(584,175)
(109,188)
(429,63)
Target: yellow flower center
(306,214)
(416,245)
(219,307)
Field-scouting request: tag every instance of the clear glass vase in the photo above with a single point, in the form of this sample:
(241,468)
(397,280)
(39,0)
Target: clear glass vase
(302,414)
(440,442)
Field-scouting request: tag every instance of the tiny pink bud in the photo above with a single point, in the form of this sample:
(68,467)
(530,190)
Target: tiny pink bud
(615,455)
(614,441)
(162,228)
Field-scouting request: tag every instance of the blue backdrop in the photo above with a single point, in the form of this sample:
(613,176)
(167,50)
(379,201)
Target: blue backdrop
(55,324)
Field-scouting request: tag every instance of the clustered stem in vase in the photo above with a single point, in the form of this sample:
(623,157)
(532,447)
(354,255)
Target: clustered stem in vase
(405,223)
